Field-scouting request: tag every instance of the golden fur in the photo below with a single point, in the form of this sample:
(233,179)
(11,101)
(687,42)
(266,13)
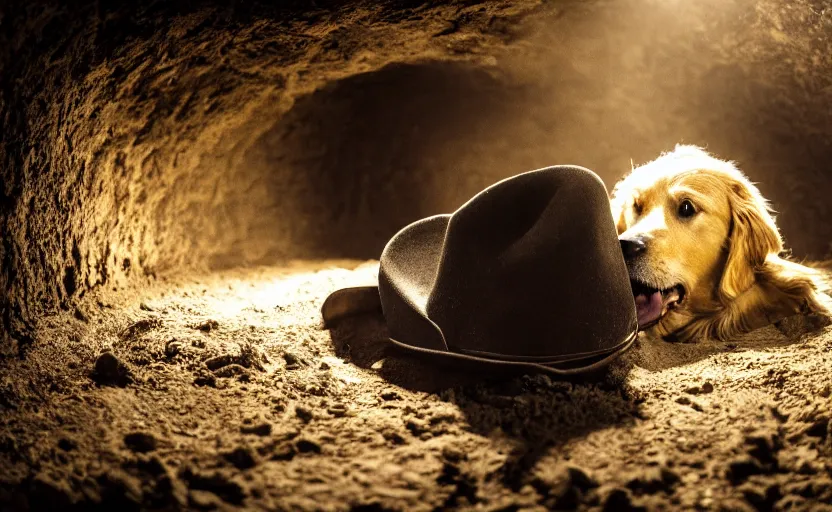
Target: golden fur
(728,255)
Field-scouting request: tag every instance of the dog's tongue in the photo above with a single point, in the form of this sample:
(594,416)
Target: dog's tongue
(649,308)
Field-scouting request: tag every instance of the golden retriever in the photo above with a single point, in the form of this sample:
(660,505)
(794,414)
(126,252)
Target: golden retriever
(703,251)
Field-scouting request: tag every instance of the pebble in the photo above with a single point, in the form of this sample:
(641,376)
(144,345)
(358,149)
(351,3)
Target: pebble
(218,362)
(241,458)
(208,326)
(303,413)
(307,446)
(173,347)
(109,370)
(81,315)
(707,387)
(140,442)
(261,429)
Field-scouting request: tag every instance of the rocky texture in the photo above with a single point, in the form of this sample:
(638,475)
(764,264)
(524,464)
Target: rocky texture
(152,137)
(149,147)
(330,420)
(126,130)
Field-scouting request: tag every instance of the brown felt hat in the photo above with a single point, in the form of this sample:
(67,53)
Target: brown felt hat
(528,273)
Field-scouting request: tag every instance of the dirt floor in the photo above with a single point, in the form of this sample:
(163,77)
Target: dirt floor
(224,392)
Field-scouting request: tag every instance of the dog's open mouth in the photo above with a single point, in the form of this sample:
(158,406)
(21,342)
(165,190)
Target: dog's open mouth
(653,303)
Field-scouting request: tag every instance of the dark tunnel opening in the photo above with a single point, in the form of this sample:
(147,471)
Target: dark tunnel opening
(183,183)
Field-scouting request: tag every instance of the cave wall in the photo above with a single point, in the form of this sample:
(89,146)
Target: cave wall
(150,137)
(125,123)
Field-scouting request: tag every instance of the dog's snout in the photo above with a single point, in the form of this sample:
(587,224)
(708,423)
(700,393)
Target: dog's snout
(632,247)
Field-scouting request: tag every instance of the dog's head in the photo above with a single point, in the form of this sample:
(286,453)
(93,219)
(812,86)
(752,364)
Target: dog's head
(693,230)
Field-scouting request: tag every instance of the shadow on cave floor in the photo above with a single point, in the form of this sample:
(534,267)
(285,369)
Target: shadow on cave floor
(536,411)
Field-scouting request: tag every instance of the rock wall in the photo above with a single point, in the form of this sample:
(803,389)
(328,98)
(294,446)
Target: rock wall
(154,137)
(126,126)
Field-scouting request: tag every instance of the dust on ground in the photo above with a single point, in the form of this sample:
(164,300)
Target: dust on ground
(225,392)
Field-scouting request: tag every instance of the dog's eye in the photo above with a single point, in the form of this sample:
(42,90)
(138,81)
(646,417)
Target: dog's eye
(637,207)
(686,209)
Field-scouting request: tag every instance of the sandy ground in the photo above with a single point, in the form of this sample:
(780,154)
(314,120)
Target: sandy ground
(224,392)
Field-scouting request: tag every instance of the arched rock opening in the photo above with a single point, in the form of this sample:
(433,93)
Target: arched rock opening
(150,137)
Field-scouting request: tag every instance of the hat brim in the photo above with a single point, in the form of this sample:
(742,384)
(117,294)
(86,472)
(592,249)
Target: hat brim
(409,264)
(563,368)
(350,302)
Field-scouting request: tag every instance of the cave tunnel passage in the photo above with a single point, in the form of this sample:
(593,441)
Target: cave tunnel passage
(165,164)
(200,136)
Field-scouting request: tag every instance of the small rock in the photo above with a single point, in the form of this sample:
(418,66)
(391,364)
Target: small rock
(285,451)
(109,370)
(207,326)
(241,458)
(303,413)
(215,363)
(140,327)
(452,454)
(262,429)
(693,390)
(173,347)
(324,366)
(206,379)
(416,427)
(144,307)
(81,315)
(683,400)
(707,387)
(291,359)
(140,442)
(307,446)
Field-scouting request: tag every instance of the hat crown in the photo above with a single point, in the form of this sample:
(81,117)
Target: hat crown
(531,268)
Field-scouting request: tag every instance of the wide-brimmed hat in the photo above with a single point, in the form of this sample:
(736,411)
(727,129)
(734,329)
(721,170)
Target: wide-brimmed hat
(528,273)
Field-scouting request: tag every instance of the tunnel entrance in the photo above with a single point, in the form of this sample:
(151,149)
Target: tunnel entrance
(183,183)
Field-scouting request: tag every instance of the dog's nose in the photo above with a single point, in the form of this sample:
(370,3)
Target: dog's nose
(632,247)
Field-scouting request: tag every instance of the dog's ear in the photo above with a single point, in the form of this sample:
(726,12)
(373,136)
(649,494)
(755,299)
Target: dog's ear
(753,236)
